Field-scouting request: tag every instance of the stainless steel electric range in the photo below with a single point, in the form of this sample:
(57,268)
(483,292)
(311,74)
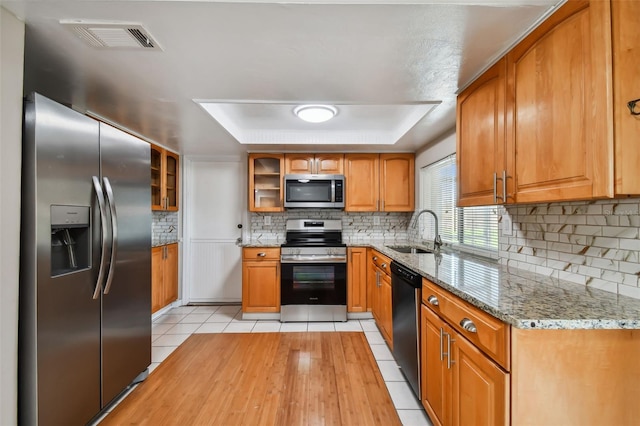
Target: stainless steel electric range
(313,284)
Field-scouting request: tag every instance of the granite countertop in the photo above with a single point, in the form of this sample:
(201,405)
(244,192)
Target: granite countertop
(523,299)
(163,242)
(263,243)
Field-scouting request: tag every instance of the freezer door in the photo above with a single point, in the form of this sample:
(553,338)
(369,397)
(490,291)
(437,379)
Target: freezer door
(59,325)
(126,301)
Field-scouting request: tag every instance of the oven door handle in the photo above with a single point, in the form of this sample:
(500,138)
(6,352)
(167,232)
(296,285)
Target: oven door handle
(296,258)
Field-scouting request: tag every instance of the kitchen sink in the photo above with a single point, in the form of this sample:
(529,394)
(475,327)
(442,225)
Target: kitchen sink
(409,249)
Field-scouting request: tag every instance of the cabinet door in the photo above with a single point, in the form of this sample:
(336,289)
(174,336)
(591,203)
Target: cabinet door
(157,272)
(170,274)
(357,280)
(559,118)
(435,377)
(480,389)
(372,286)
(480,140)
(157,178)
(265,182)
(299,164)
(171,180)
(386,307)
(626,87)
(260,287)
(397,182)
(329,164)
(362,182)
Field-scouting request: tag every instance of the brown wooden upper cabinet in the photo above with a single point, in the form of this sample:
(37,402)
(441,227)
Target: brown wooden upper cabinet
(380,182)
(559,116)
(559,102)
(626,88)
(165,167)
(481,139)
(320,164)
(265,182)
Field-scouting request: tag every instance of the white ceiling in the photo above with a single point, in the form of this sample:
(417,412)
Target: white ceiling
(375,60)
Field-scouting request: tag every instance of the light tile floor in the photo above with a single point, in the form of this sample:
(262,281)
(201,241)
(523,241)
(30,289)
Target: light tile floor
(175,326)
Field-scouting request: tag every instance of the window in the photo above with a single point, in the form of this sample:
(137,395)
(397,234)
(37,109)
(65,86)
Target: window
(475,227)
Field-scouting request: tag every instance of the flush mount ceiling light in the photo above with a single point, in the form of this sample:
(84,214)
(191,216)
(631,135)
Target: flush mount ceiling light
(315,113)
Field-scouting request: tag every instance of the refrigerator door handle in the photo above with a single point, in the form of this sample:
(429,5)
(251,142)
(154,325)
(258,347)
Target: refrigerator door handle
(114,232)
(103,235)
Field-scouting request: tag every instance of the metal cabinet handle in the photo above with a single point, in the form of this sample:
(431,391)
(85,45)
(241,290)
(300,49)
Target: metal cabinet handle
(383,266)
(495,187)
(433,300)
(441,337)
(262,254)
(495,190)
(468,325)
(504,186)
(449,360)
(375,258)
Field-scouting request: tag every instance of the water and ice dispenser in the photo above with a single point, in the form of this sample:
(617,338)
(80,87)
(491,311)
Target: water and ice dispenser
(70,239)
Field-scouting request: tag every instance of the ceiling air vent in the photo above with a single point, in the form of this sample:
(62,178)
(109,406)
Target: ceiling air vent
(112,35)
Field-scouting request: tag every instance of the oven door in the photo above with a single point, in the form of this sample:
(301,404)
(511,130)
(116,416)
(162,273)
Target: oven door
(313,283)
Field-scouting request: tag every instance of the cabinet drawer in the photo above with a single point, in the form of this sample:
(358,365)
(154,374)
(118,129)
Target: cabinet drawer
(490,335)
(261,253)
(381,261)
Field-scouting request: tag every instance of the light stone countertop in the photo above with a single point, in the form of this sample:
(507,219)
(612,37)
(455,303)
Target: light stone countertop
(163,242)
(263,243)
(523,299)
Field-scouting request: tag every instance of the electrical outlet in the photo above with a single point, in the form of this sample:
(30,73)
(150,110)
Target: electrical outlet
(507,225)
(267,220)
(376,221)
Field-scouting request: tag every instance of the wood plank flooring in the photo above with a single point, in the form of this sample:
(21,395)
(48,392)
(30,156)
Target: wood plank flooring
(263,379)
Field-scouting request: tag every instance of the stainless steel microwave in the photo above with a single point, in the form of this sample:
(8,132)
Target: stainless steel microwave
(314,191)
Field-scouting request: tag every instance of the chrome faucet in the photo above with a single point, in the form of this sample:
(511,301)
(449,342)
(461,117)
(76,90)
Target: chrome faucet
(437,241)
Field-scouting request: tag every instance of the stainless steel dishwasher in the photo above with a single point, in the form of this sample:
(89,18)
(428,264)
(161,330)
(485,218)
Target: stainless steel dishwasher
(407,294)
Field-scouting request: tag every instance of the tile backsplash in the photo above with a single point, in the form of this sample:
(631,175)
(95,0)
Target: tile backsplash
(594,243)
(164,227)
(388,226)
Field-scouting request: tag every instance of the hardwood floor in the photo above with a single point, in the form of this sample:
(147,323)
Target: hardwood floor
(263,379)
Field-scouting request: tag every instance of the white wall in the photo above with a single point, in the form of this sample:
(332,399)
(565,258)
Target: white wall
(11,74)
(432,152)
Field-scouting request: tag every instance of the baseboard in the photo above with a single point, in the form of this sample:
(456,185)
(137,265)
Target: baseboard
(359,315)
(274,316)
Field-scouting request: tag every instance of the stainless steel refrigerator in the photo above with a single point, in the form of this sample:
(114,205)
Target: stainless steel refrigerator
(85,277)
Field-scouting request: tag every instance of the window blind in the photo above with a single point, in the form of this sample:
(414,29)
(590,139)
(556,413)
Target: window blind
(472,226)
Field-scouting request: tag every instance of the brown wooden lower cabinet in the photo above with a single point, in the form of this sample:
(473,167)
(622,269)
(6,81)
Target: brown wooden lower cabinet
(356,279)
(260,280)
(460,385)
(492,375)
(164,276)
(379,293)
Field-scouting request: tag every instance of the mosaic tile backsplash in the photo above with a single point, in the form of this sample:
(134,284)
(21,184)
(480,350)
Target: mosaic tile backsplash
(594,243)
(355,226)
(164,227)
